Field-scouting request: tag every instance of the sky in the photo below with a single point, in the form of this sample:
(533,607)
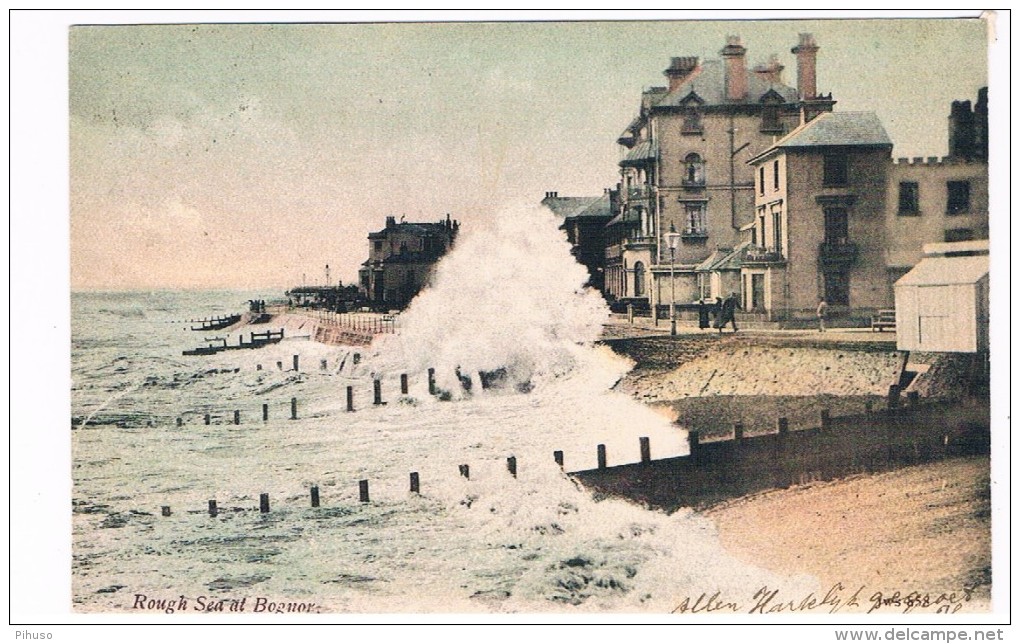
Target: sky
(252,155)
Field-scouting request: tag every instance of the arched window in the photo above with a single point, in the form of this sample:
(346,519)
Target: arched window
(694,170)
(639,279)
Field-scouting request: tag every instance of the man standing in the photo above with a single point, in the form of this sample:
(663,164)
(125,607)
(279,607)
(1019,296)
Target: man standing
(823,309)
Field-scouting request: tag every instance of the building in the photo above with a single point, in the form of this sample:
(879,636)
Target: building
(942,303)
(818,228)
(684,167)
(584,221)
(402,257)
(836,218)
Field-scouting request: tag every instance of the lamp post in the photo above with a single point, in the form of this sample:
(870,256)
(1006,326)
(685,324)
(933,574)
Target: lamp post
(672,239)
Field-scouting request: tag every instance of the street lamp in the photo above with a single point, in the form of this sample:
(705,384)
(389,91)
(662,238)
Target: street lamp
(672,239)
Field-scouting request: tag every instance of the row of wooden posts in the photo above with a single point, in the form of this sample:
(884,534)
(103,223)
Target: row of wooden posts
(376,397)
(644,443)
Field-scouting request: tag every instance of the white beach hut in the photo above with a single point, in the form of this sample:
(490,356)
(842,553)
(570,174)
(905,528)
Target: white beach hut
(942,303)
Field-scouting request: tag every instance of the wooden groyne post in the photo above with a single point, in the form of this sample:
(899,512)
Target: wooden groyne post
(296,362)
(213,510)
(377,392)
(558,457)
(738,431)
(265,412)
(825,420)
(293,408)
(646,449)
(465,471)
(511,465)
(432,381)
(601,451)
(208,419)
(350,398)
(264,503)
(403,383)
(165,510)
(363,491)
(237,417)
(315,496)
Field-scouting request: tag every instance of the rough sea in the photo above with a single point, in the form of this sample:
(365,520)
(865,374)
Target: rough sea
(492,542)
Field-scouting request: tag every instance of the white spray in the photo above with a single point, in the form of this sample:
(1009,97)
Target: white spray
(511,297)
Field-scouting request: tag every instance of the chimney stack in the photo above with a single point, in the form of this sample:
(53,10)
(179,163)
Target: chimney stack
(806,51)
(736,69)
(680,69)
(770,72)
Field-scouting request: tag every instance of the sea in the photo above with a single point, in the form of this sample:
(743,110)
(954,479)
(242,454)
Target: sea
(474,538)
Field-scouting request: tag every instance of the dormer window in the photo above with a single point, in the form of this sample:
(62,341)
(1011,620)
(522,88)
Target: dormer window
(692,121)
(770,122)
(694,170)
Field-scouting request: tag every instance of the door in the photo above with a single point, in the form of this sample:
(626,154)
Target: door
(757,291)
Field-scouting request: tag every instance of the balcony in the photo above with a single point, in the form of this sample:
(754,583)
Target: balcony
(761,256)
(693,184)
(838,253)
(642,191)
(639,242)
(694,234)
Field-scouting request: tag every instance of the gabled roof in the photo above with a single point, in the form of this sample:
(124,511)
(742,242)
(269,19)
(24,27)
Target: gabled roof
(724,259)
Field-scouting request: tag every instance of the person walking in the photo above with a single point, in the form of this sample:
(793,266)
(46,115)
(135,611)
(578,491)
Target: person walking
(730,312)
(823,310)
(702,314)
(717,312)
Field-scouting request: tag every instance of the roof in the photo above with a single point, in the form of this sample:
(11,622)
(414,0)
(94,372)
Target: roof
(724,259)
(599,208)
(709,83)
(935,271)
(643,151)
(421,229)
(857,129)
(567,207)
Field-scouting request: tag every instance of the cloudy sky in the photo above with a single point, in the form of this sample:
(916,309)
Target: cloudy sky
(247,155)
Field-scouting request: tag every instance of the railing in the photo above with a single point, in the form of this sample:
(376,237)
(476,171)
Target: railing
(370,323)
(639,192)
(689,233)
(762,255)
(837,252)
(639,241)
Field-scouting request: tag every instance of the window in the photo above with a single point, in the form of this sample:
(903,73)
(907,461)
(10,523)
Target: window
(837,288)
(908,198)
(761,180)
(775,175)
(836,227)
(639,279)
(777,231)
(378,246)
(770,119)
(958,201)
(692,122)
(959,234)
(694,170)
(836,170)
(694,219)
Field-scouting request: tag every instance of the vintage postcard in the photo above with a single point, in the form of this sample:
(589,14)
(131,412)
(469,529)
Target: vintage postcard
(679,318)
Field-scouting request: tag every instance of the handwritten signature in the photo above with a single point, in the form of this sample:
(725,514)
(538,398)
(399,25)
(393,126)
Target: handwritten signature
(766,601)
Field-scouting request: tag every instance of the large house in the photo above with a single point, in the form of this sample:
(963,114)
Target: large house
(836,218)
(684,168)
(401,259)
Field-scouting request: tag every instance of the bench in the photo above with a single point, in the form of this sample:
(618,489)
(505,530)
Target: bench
(884,319)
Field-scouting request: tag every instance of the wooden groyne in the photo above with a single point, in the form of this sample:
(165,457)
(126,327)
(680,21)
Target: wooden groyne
(217,323)
(257,340)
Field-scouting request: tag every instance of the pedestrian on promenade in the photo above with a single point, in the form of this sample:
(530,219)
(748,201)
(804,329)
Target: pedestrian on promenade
(717,313)
(702,314)
(729,312)
(823,310)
